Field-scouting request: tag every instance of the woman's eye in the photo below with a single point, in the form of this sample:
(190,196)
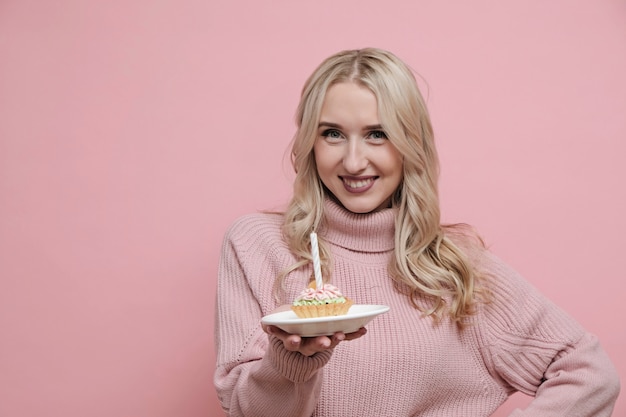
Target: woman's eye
(331,134)
(377,134)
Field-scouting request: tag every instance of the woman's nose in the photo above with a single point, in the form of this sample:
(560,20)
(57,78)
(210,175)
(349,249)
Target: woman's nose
(355,158)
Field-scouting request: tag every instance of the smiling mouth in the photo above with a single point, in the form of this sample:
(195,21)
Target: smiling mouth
(358,184)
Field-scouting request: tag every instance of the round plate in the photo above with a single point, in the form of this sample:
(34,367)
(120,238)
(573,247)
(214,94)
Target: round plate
(358,316)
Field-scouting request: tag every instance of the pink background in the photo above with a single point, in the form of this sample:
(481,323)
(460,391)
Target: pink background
(132,133)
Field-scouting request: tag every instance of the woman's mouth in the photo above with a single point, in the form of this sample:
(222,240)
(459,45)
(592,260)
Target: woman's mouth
(358,185)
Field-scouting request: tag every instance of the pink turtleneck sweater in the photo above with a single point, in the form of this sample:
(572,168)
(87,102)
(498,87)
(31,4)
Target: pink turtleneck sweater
(405,365)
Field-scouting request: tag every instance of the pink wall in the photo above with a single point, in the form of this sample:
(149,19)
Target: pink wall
(133,132)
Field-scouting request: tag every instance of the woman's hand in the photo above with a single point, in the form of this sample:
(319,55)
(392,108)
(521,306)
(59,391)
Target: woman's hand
(309,346)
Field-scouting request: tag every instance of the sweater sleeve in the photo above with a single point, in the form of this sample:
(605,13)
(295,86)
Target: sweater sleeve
(255,375)
(532,346)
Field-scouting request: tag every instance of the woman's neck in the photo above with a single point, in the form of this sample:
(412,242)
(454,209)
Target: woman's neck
(370,232)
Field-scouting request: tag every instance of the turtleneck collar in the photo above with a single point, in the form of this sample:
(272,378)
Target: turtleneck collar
(370,232)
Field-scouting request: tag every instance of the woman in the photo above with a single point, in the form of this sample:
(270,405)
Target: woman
(464,330)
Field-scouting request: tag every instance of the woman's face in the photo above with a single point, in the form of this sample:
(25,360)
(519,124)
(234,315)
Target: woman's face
(354,158)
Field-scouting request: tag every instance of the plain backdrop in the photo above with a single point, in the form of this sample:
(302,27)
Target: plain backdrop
(132,133)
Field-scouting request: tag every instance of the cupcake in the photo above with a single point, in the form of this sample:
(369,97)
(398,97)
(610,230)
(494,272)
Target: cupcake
(327,301)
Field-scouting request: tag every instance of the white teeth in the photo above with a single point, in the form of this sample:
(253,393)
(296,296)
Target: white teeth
(358,184)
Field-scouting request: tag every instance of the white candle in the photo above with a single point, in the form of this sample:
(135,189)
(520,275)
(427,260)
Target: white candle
(317,268)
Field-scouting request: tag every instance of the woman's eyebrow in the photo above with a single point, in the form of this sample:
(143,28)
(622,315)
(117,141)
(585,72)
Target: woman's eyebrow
(338,126)
(329,124)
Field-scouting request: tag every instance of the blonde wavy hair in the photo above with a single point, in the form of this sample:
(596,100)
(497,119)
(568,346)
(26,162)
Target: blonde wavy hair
(427,265)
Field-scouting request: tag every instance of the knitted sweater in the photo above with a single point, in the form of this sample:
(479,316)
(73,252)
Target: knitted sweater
(406,364)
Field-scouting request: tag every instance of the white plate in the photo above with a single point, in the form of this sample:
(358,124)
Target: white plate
(358,316)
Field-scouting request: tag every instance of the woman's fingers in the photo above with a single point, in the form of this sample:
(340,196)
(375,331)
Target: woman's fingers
(355,335)
(309,346)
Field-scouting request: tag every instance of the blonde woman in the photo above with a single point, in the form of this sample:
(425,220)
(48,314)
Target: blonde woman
(464,330)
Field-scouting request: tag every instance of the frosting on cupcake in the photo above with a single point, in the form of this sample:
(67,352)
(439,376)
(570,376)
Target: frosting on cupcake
(328,294)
